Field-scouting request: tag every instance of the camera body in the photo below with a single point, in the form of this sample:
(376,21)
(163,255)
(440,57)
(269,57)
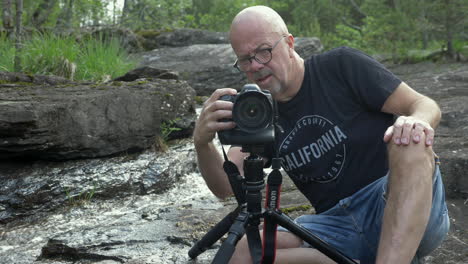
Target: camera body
(253,112)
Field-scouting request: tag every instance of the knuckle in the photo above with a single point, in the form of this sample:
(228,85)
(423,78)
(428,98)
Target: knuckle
(211,126)
(218,104)
(398,125)
(408,125)
(217,93)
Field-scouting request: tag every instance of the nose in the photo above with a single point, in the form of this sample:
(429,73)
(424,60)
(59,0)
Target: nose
(256,66)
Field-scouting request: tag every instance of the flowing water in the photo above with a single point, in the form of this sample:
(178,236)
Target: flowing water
(138,228)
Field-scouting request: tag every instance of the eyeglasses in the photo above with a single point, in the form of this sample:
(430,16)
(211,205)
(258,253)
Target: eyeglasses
(262,56)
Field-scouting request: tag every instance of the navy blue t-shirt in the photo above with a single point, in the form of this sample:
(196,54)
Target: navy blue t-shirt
(332,144)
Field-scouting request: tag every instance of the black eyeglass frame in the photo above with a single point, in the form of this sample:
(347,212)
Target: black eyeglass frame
(254,57)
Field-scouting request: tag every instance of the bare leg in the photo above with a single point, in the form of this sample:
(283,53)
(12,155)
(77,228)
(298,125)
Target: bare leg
(409,202)
(289,250)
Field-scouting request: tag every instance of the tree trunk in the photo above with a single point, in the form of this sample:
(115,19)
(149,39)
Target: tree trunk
(423,28)
(7,18)
(425,40)
(113,11)
(42,12)
(125,11)
(448,28)
(64,21)
(18,44)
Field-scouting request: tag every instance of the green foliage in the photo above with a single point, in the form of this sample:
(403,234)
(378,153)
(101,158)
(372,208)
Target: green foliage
(377,26)
(48,54)
(80,199)
(299,208)
(167,127)
(217,15)
(100,59)
(345,36)
(157,14)
(90,13)
(7,53)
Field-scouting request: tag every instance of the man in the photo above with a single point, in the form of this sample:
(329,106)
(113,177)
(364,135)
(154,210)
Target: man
(373,181)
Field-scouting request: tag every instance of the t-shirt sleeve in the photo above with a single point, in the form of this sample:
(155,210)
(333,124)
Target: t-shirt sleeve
(371,83)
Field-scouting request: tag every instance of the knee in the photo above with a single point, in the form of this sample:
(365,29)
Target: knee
(410,157)
(241,254)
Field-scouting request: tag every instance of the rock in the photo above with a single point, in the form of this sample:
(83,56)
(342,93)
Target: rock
(448,86)
(119,221)
(454,248)
(207,67)
(63,122)
(15,79)
(185,37)
(127,38)
(148,73)
(33,188)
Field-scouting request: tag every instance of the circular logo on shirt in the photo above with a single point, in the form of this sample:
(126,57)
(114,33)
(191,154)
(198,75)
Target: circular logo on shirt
(314,150)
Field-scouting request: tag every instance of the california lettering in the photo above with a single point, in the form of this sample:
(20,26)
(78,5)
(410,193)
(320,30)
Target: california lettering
(322,153)
(315,150)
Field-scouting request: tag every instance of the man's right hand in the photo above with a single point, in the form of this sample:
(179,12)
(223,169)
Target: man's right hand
(213,110)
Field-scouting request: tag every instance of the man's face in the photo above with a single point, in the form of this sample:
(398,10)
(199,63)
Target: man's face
(271,76)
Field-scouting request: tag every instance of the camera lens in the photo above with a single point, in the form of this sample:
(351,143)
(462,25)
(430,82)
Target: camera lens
(252,113)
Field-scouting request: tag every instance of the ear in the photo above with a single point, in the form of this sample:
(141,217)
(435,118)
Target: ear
(290,42)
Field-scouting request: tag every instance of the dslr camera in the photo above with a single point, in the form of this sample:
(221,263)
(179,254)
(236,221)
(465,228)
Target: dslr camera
(253,112)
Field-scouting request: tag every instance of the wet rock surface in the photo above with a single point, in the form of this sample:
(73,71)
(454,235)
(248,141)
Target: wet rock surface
(128,211)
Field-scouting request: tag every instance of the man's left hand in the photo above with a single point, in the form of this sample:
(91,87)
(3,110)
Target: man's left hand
(407,128)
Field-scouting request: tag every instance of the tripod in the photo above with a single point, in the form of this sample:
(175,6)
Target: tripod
(246,217)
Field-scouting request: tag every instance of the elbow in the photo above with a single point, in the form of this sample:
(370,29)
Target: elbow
(438,117)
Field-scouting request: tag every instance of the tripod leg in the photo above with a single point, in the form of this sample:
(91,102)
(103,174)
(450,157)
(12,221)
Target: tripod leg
(310,238)
(214,234)
(229,245)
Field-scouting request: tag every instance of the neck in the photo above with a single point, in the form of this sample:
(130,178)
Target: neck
(297,77)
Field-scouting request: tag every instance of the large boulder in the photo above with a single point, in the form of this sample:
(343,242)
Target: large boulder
(187,37)
(448,86)
(207,67)
(127,38)
(181,37)
(74,120)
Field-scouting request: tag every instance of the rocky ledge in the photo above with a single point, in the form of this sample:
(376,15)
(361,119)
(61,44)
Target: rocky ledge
(66,120)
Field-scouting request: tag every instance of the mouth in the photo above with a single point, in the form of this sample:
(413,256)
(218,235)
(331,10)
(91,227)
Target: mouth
(263,80)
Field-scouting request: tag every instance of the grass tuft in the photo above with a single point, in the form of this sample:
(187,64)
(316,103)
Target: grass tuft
(47,54)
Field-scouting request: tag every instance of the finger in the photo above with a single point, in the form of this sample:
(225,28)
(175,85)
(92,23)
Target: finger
(225,126)
(222,114)
(214,127)
(220,92)
(407,131)
(213,121)
(417,132)
(388,134)
(397,130)
(429,135)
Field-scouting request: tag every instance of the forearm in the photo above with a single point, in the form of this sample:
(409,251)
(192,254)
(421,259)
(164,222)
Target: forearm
(427,110)
(210,164)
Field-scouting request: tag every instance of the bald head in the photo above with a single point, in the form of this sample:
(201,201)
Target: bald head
(260,18)
(260,29)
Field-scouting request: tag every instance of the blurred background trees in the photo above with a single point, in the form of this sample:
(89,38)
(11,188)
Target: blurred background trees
(376,26)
